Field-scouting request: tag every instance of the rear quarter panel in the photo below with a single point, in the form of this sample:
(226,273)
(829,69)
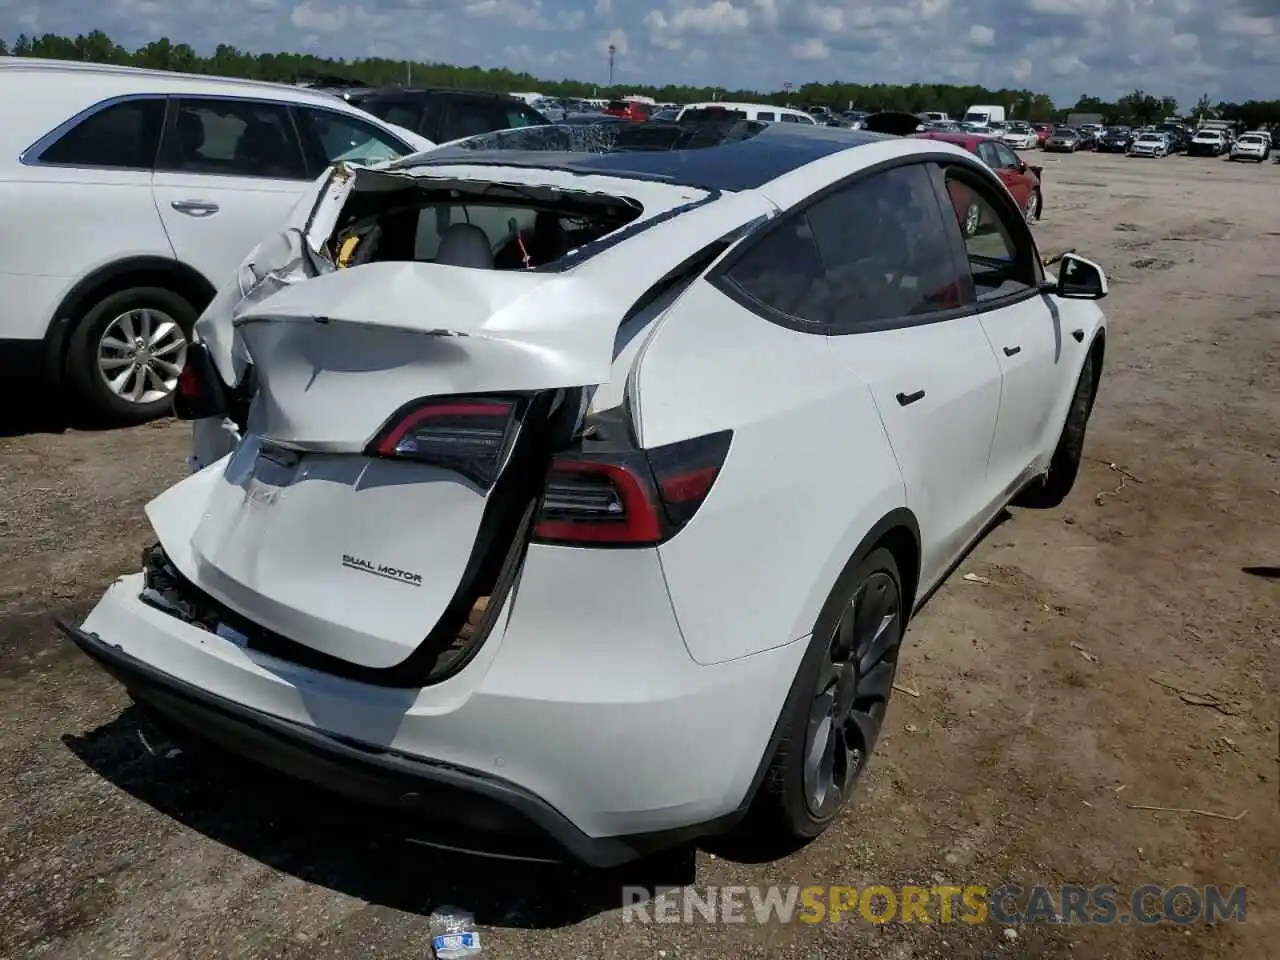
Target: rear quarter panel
(809,471)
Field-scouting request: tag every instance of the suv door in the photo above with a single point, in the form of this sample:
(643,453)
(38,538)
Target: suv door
(467,116)
(901,320)
(1021,321)
(1008,168)
(229,173)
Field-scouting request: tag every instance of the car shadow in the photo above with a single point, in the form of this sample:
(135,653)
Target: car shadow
(328,841)
(31,408)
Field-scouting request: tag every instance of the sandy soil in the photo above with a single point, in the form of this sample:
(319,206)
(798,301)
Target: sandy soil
(1038,720)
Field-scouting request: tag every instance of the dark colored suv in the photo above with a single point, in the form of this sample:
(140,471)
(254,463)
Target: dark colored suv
(442,115)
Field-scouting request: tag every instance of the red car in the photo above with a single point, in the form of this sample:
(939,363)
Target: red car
(1022,179)
(1043,130)
(629,110)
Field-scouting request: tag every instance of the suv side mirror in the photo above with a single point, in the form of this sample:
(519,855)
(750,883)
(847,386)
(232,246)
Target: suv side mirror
(1080,279)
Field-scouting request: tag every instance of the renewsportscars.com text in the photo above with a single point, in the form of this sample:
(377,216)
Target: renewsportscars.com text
(972,904)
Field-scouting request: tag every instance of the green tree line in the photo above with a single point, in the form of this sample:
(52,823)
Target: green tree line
(229,61)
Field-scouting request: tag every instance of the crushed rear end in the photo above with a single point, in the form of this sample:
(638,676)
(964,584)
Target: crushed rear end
(415,562)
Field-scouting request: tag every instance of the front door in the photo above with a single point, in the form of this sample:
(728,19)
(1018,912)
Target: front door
(1019,319)
(230,172)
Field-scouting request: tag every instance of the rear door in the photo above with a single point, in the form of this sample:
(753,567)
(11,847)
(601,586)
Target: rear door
(229,173)
(1003,270)
(902,322)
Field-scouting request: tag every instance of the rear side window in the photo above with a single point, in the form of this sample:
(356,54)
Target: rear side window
(233,138)
(124,135)
(784,271)
(887,250)
(876,251)
(399,112)
(467,118)
(766,117)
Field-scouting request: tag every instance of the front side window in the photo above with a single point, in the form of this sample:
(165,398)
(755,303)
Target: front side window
(239,138)
(790,118)
(343,137)
(1006,159)
(122,135)
(1002,259)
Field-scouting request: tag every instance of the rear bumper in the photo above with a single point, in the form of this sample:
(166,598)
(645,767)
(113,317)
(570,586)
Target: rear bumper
(563,740)
(494,816)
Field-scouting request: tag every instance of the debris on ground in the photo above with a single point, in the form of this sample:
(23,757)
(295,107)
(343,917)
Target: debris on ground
(1212,815)
(974,578)
(1092,658)
(1197,698)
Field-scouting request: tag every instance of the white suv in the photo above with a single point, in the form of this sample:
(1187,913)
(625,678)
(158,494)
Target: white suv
(130,196)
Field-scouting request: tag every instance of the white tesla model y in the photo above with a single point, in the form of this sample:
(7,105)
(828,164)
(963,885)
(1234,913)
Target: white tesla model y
(574,487)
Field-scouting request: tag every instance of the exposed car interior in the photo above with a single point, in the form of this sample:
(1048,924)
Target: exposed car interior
(487,232)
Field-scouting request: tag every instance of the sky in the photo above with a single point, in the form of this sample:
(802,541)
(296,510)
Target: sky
(1066,48)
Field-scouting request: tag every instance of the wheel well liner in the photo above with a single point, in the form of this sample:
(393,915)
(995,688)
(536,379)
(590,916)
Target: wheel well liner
(173,275)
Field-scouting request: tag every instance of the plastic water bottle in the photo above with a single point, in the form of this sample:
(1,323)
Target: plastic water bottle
(453,934)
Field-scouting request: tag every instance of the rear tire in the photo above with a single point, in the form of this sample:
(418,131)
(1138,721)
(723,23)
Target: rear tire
(830,728)
(87,358)
(1051,489)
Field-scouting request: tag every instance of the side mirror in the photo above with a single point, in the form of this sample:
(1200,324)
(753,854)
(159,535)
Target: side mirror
(1080,279)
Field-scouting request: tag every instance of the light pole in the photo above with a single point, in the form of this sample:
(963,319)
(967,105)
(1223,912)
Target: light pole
(612,51)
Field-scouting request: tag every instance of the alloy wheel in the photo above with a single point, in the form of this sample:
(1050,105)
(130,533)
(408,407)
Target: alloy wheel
(1032,205)
(852,692)
(141,354)
(972,220)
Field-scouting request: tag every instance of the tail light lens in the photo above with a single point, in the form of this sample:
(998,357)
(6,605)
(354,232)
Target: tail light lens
(471,436)
(200,392)
(628,497)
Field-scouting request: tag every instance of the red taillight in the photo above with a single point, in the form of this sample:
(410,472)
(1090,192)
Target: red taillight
(468,435)
(199,393)
(629,497)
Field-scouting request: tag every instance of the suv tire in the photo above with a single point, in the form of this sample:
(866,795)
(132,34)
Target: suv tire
(117,312)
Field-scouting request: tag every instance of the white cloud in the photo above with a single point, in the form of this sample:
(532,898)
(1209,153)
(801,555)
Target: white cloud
(616,38)
(810,48)
(310,16)
(981,36)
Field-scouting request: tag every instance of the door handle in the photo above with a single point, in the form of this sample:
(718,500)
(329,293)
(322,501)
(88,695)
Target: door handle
(195,208)
(906,399)
(1012,351)
(1078,336)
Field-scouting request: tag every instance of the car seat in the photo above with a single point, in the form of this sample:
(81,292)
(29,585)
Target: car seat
(264,150)
(465,245)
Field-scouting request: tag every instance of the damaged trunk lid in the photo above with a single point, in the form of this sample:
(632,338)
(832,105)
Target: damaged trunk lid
(389,468)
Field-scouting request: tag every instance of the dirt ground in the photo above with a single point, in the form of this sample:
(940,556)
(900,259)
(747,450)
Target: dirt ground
(1038,720)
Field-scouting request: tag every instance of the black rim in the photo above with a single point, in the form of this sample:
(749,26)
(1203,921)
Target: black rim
(853,689)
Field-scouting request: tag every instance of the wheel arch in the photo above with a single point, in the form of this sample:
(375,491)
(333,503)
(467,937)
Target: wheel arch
(143,271)
(899,532)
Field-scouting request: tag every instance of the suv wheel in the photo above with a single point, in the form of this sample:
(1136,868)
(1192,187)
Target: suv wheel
(831,728)
(128,350)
